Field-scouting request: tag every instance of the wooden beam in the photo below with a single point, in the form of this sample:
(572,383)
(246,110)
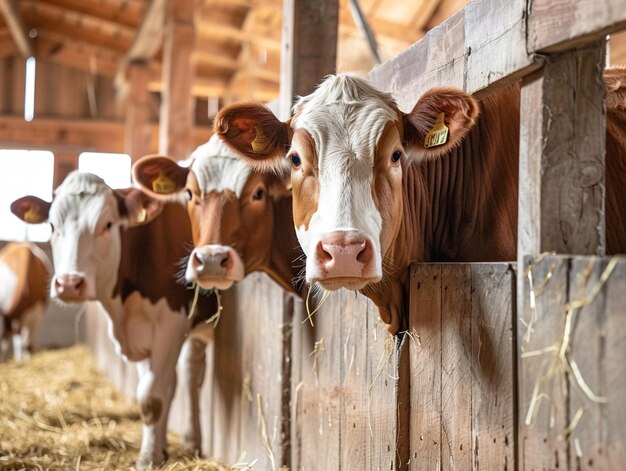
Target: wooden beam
(147,41)
(482,46)
(177,104)
(137,129)
(127,13)
(15,23)
(562,148)
(306,26)
(557,25)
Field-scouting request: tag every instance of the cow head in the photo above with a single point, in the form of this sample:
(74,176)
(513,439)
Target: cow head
(229,206)
(347,144)
(86,217)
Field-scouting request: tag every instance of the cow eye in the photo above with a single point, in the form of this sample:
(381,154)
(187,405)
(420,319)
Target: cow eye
(395,157)
(108,226)
(188,194)
(52,228)
(258,194)
(295,160)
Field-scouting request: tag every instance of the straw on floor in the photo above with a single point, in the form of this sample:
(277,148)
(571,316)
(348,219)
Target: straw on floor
(59,412)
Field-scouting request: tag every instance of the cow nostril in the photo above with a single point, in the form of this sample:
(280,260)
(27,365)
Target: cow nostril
(365,254)
(224,262)
(57,284)
(196,261)
(323,255)
(80,284)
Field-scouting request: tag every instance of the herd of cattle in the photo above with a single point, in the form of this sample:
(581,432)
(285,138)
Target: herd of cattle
(349,184)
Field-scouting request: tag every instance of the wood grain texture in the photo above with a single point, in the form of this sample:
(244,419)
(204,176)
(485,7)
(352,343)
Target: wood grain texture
(137,130)
(481,46)
(462,367)
(563,24)
(309,48)
(562,149)
(540,375)
(15,23)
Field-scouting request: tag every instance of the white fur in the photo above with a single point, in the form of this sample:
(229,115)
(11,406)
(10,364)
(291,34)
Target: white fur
(216,169)
(8,284)
(346,117)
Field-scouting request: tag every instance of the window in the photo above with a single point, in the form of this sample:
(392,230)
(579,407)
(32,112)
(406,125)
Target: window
(24,172)
(114,169)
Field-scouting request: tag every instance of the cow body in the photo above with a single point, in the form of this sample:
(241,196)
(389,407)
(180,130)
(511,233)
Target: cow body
(122,249)
(24,278)
(376,189)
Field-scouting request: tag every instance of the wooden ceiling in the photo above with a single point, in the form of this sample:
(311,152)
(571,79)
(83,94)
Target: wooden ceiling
(237,46)
(237,50)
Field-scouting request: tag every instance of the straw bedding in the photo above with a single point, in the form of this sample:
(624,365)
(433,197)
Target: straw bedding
(58,412)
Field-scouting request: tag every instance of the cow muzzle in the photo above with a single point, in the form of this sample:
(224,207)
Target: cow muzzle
(214,267)
(344,259)
(71,287)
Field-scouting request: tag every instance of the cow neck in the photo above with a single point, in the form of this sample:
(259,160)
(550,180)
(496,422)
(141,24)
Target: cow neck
(286,256)
(473,189)
(151,257)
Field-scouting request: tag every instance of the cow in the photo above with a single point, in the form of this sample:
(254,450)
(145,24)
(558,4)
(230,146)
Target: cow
(241,219)
(122,249)
(24,277)
(375,189)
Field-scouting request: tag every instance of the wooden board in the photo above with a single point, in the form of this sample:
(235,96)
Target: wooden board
(482,45)
(462,364)
(563,24)
(562,156)
(570,428)
(345,374)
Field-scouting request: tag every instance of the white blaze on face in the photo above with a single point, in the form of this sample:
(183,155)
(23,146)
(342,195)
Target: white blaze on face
(216,169)
(345,117)
(81,243)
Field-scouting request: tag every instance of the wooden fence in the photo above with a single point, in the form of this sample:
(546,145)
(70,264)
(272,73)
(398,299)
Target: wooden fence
(501,367)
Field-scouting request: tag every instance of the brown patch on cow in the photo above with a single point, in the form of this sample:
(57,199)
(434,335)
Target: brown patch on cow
(387,185)
(253,132)
(615,84)
(150,408)
(305,179)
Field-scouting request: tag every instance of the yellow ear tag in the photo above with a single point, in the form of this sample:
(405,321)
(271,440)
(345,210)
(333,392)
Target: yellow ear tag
(438,135)
(32,216)
(142,215)
(163,185)
(260,141)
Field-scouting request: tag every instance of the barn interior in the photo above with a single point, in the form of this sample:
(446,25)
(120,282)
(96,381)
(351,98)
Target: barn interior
(95,85)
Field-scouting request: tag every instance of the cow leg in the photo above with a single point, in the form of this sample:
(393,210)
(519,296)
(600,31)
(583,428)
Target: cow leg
(5,346)
(31,320)
(191,367)
(156,388)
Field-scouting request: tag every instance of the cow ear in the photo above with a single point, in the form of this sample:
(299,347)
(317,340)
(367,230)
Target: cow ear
(160,177)
(137,207)
(439,121)
(31,209)
(253,133)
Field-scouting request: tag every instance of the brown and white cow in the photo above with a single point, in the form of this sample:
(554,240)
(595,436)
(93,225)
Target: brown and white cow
(241,219)
(375,189)
(122,249)
(24,279)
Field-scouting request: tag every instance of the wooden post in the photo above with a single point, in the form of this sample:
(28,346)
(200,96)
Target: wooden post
(177,105)
(309,48)
(562,140)
(137,132)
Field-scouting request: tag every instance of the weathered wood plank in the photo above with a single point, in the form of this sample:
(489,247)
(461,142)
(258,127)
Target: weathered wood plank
(562,24)
(309,48)
(481,46)
(562,156)
(137,130)
(493,364)
(614,337)
(177,103)
(425,351)
(544,411)
(456,367)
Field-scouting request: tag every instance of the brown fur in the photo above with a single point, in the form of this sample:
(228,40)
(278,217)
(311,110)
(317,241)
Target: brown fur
(150,409)
(304,182)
